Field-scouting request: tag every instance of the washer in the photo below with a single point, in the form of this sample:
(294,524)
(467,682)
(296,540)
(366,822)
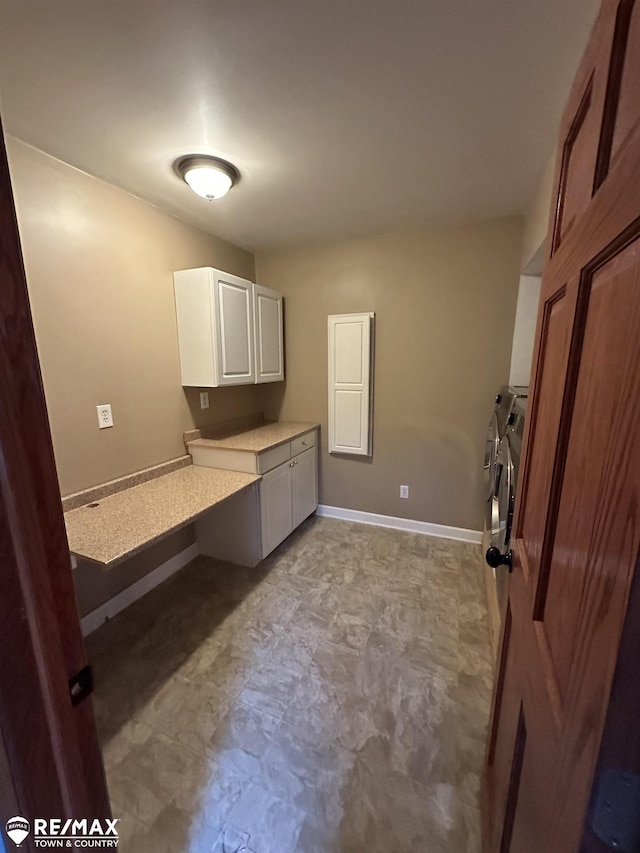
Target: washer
(502,419)
(504,497)
(502,415)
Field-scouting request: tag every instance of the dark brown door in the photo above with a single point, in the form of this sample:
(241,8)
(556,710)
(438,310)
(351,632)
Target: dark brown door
(577,528)
(51,747)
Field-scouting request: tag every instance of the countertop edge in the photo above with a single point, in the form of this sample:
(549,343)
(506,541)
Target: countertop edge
(218,444)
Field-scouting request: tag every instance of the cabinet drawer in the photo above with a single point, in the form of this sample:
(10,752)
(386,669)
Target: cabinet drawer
(274,457)
(303,442)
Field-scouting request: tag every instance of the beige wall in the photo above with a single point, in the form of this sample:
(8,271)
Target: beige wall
(445,305)
(99,266)
(536,222)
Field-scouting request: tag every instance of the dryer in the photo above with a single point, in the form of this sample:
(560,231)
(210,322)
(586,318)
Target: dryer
(506,481)
(502,420)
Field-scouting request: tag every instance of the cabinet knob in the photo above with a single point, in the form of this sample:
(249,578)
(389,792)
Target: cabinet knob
(305,443)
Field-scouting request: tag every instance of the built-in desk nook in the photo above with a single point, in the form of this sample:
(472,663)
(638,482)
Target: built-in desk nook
(114,528)
(234,498)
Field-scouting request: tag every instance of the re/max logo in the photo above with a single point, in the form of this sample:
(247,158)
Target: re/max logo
(58,828)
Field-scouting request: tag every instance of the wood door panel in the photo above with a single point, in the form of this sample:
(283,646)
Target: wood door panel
(604,535)
(628,106)
(578,164)
(586,565)
(580,132)
(504,727)
(622,103)
(546,409)
(577,525)
(620,746)
(515,785)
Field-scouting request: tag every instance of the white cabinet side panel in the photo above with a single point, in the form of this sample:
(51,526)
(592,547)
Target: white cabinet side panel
(192,290)
(350,378)
(231,530)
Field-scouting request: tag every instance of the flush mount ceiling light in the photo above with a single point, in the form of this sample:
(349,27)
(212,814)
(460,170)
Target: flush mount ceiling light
(207,176)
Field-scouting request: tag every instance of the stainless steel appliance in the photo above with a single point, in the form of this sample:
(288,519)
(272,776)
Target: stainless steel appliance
(502,421)
(504,496)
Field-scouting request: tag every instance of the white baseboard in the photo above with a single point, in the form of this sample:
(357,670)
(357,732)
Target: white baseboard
(424,527)
(141,587)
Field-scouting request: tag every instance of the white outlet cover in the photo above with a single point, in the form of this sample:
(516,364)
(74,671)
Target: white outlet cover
(105,418)
(204,399)
(404,492)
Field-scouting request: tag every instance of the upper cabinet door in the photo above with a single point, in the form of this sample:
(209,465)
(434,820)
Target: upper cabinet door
(268,334)
(233,316)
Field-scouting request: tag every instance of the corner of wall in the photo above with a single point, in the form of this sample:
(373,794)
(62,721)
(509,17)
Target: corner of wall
(537,217)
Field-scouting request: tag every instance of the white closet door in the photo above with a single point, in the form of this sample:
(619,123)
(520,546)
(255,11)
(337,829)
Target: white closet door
(350,379)
(267,325)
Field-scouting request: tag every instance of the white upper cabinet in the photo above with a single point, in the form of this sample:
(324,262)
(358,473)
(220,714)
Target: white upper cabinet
(216,312)
(267,330)
(350,383)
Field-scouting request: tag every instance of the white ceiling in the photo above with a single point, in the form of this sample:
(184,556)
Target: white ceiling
(344,117)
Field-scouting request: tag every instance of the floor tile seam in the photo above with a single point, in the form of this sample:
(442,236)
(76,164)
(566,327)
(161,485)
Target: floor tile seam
(119,732)
(171,735)
(284,724)
(200,680)
(259,711)
(122,808)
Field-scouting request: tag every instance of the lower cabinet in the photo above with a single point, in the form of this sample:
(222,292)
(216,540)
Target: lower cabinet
(288,495)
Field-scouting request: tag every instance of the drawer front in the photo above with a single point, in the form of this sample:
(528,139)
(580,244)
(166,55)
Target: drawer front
(274,457)
(303,442)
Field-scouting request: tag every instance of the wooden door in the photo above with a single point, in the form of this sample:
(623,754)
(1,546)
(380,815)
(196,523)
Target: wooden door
(268,334)
(51,746)
(234,321)
(577,526)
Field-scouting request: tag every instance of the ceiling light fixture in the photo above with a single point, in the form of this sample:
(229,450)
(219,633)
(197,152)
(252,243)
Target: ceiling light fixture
(209,177)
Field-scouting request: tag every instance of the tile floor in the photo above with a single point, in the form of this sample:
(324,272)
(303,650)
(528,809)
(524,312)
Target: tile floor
(333,700)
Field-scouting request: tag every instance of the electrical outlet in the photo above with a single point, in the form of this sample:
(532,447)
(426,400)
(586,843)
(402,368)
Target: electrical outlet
(105,418)
(404,491)
(204,399)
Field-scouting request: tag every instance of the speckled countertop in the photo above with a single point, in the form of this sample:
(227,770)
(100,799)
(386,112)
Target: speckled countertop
(123,524)
(259,439)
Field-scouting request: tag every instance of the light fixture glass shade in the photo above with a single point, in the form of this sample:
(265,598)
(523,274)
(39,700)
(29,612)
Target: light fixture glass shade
(209,177)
